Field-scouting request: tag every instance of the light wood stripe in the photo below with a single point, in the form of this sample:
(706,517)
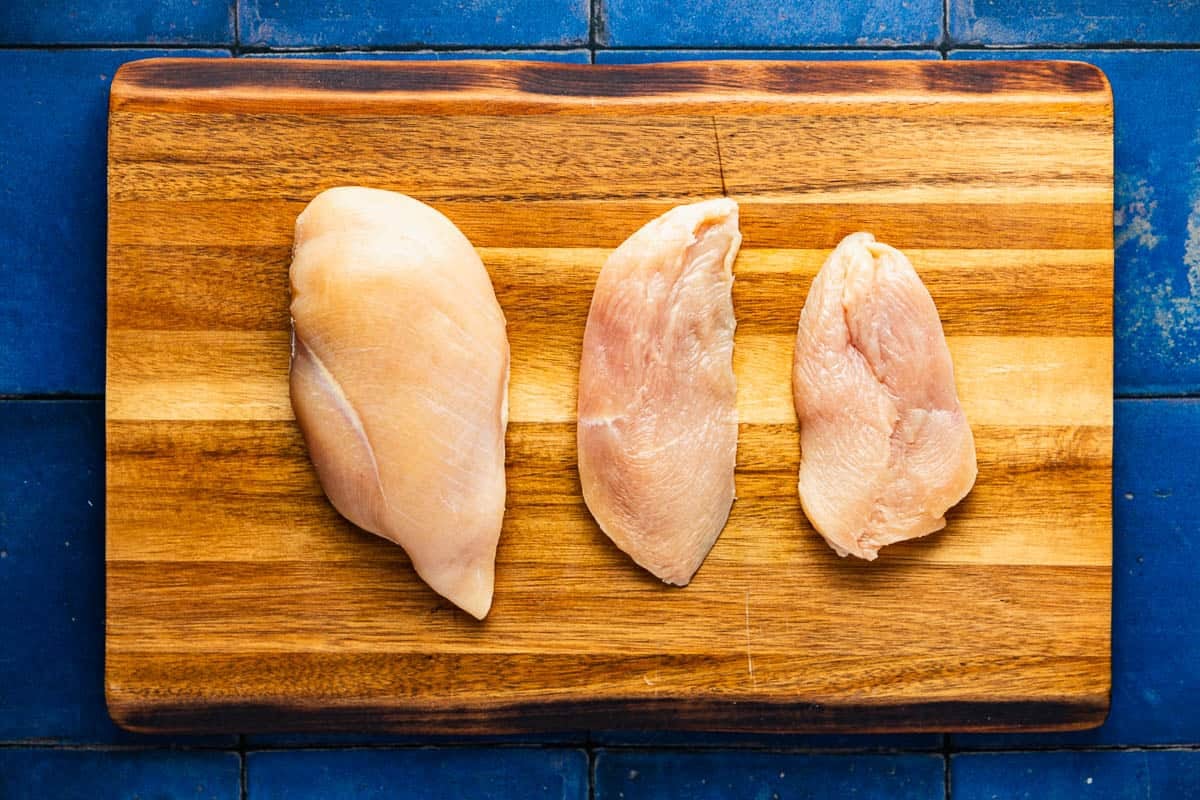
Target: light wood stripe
(946,107)
(264,157)
(218,375)
(254,478)
(500,159)
(382,678)
(359,621)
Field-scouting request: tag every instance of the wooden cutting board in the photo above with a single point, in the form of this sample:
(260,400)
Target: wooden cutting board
(239,600)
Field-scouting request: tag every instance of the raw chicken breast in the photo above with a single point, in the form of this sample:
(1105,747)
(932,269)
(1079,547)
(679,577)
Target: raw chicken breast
(400,379)
(885,447)
(657,432)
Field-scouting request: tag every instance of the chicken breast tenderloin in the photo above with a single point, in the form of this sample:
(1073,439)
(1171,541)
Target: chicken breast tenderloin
(885,446)
(657,424)
(399,381)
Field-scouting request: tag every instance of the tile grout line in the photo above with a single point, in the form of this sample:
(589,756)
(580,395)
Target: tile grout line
(237,28)
(867,751)
(591,772)
(84,747)
(1113,46)
(769,749)
(945,766)
(595,44)
(52,397)
(592,748)
(1157,396)
(944,47)
(426,48)
(244,792)
(593,10)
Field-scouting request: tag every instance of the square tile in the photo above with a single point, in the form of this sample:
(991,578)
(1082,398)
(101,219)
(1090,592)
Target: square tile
(35,774)
(424,774)
(1076,776)
(1051,22)
(1156,598)
(696,739)
(52,216)
(380,23)
(1157,215)
(633,775)
(52,575)
(749,24)
(117,22)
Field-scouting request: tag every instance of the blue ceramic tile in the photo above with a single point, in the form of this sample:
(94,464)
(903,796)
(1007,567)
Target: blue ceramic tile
(52,216)
(559,56)
(1156,775)
(1157,216)
(867,742)
(749,24)
(651,56)
(1051,22)
(381,23)
(425,774)
(51,569)
(116,22)
(1156,598)
(633,775)
(52,574)
(117,775)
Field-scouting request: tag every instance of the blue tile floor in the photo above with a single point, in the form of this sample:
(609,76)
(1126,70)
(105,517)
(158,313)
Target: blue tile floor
(55,736)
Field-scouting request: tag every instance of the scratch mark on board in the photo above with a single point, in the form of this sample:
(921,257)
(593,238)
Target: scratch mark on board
(749,655)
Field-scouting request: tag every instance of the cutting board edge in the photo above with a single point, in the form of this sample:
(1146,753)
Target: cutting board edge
(499,86)
(1084,711)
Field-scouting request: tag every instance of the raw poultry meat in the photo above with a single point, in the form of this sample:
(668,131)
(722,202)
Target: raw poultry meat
(885,446)
(399,381)
(657,427)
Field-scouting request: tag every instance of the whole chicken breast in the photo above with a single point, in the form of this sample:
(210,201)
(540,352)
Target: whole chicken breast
(399,381)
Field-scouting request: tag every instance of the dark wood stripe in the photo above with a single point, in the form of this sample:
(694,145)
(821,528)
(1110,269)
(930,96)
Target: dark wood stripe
(385,692)
(257,450)
(210,287)
(606,223)
(854,79)
(310,606)
(180,488)
(134,712)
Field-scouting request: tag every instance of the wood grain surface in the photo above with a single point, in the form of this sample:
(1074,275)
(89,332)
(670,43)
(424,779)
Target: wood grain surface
(239,600)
